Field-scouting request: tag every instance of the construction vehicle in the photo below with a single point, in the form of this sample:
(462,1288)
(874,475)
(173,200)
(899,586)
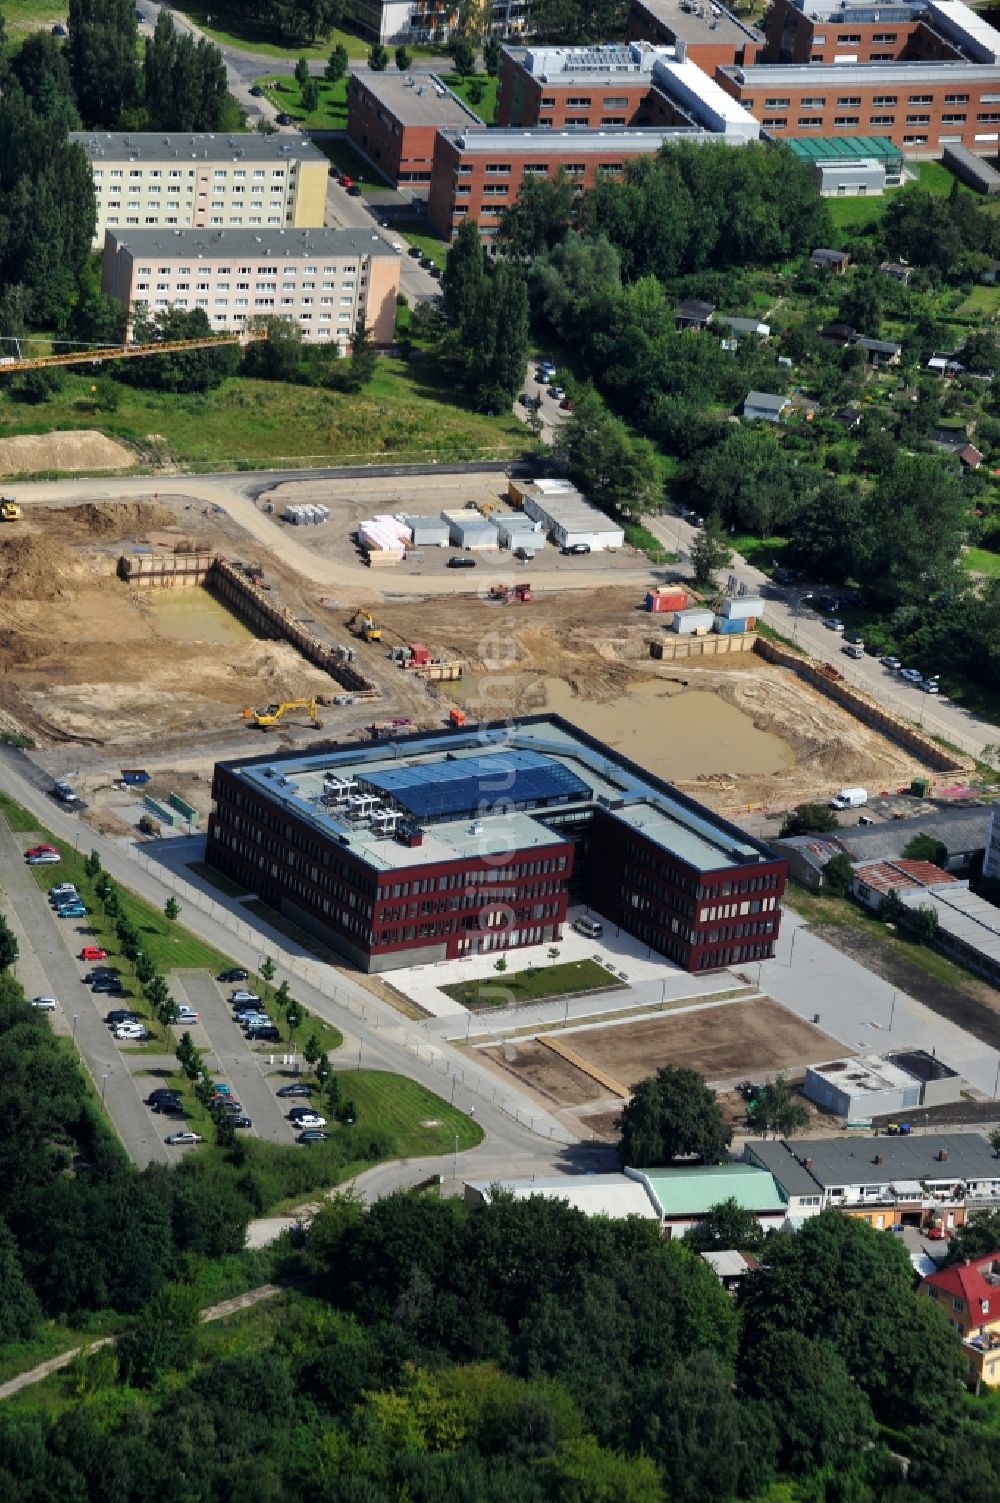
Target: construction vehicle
(456,717)
(268,718)
(363,624)
(509,593)
(10,510)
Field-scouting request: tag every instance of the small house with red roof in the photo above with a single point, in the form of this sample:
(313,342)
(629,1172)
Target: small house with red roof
(969,1294)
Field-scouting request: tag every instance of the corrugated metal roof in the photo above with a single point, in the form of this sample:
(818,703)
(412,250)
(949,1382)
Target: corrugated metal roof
(694,1191)
(612,1195)
(901,876)
(846,148)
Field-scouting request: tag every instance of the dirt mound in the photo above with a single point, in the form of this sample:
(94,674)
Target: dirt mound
(33,567)
(80,450)
(119,518)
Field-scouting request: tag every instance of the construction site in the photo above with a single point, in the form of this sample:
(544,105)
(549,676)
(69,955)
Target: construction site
(154,624)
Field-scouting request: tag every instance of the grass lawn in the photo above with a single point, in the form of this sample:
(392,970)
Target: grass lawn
(981,300)
(231,29)
(530,985)
(331,113)
(763,553)
(407,412)
(850,215)
(343,155)
(428,245)
(463,85)
(21,17)
(981,561)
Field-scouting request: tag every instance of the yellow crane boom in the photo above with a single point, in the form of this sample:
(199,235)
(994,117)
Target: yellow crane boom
(129,351)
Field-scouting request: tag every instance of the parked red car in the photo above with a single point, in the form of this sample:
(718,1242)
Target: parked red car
(93,952)
(41,850)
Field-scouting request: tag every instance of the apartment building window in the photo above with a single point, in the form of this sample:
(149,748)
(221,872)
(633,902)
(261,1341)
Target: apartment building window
(142,286)
(242,302)
(174,191)
(773,104)
(956,99)
(885,36)
(575,169)
(817,102)
(220,302)
(547,103)
(810,122)
(615,167)
(132,220)
(135,172)
(884,101)
(921,99)
(989,115)
(242,286)
(278,172)
(845,120)
(308,271)
(535,169)
(133,203)
(582,102)
(201,286)
(495,190)
(953,119)
(180,302)
(465,167)
(264,302)
(175,172)
(219,172)
(218,203)
(222,286)
(882,120)
(850,103)
(286,302)
(116,172)
(98,171)
(163,286)
(613,120)
(775,124)
(914,140)
(464,188)
(259,172)
(497,168)
(216,219)
(237,189)
(288,286)
(308,286)
(883,57)
(161,302)
(849,37)
(918,119)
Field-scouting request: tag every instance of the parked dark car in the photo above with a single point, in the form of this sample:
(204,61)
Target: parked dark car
(269,1035)
(461,563)
(284,119)
(235,973)
(299,1088)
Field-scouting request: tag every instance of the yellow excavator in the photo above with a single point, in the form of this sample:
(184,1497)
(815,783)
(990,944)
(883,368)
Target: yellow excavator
(363,624)
(271,716)
(10,510)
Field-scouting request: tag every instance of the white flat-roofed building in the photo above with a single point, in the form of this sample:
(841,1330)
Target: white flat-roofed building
(614,1195)
(176,180)
(324,279)
(705,101)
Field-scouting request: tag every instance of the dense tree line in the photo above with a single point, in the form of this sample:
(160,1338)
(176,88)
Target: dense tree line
(485,305)
(184,82)
(521,1352)
(290,20)
(579,21)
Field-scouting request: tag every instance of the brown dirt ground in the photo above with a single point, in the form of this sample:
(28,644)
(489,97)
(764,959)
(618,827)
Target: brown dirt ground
(737,1038)
(81,450)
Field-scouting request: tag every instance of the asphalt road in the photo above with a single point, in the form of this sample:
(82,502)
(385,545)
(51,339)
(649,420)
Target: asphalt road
(49,968)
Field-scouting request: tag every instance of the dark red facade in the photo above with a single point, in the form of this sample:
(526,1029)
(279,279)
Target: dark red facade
(382,919)
(703,921)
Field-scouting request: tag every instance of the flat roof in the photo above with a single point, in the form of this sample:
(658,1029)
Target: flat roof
(871,1072)
(699,21)
(303,784)
(454,789)
(961,24)
(691,84)
(962,915)
(772,76)
(613,62)
(542,139)
(192,146)
(417,99)
(850,1161)
(782,1163)
(612,1195)
(694,1190)
(251,243)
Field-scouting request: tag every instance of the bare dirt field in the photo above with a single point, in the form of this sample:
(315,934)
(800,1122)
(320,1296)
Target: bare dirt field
(81,450)
(733,1039)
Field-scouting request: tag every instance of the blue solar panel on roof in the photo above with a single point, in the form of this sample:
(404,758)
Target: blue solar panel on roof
(476,785)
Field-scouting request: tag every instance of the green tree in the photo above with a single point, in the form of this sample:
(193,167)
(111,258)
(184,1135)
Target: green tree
(672,1114)
(495,339)
(267,970)
(92,864)
(144,970)
(838,874)
(980,1235)
(464,57)
(196,370)
(926,848)
(710,551)
(279,357)
(774,1109)
(819,1412)
(364,357)
(312,1050)
(726,1225)
(617,472)
(923,923)
(20,1311)
(283,996)
(539,218)
(462,279)
(403,59)
(476,92)
(171,909)
(491,54)
(809,819)
(917,524)
(501,964)
(337,64)
(302,71)
(378,58)
(184,81)
(164,1337)
(103,46)
(310,96)
(8,945)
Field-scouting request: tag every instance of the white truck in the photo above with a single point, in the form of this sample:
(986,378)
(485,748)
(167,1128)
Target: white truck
(849,798)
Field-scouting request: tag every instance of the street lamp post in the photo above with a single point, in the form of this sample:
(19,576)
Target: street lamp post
(76,1019)
(892,1010)
(456,1156)
(104,1087)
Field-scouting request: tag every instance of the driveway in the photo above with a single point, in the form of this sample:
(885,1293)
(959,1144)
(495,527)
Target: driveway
(238,1064)
(45,947)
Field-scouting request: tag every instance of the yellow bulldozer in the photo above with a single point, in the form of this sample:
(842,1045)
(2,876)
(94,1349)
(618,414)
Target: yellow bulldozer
(363,624)
(10,510)
(271,716)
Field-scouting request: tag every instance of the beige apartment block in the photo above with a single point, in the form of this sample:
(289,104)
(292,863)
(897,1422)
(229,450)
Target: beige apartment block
(150,180)
(325,279)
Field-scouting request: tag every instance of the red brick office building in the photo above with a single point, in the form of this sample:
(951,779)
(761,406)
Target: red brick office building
(564,96)
(847,34)
(713,35)
(450,844)
(921,107)
(393,119)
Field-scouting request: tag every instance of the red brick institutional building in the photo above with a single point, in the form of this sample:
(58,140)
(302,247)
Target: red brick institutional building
(445,844)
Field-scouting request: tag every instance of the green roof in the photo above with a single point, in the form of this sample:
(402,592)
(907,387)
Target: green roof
(845,148)
(693,1191)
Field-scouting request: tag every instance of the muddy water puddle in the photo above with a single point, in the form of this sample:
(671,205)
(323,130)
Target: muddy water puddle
(675,733)
(193,615)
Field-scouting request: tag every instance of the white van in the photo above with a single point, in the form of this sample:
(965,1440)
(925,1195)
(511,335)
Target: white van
(590,928)
(849,798)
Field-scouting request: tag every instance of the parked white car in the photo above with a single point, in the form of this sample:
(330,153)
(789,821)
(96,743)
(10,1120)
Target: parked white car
(46,1004)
